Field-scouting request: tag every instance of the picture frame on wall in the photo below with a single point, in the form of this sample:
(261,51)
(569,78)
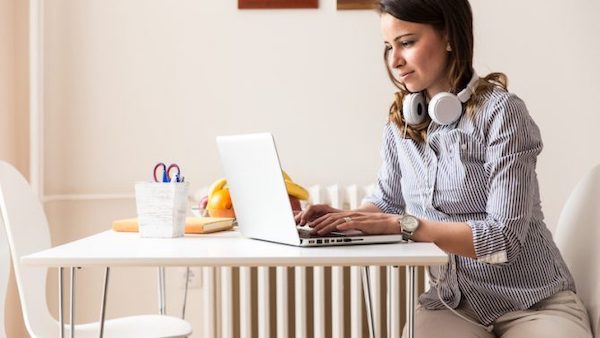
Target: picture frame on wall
(277,4)
(356,4)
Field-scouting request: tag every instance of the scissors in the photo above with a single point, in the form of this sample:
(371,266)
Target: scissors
(166,173)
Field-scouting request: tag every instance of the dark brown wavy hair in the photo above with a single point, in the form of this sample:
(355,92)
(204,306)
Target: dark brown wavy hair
(455,19)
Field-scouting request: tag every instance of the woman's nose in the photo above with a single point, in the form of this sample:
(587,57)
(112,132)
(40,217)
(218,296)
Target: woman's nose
(396,59)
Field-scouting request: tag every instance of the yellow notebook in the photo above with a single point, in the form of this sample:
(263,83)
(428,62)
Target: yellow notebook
(193,225)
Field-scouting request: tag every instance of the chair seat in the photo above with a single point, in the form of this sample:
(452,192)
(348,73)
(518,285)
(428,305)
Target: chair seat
(142,326)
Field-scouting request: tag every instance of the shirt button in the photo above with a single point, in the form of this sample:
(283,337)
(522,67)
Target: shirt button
(463,146)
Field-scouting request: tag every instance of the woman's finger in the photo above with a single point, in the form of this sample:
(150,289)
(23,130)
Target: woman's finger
(298,217)
(306,215)
(323,222)
(329,222)
(347,226)
(332,226)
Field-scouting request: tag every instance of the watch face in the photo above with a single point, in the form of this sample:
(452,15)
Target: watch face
(410,223)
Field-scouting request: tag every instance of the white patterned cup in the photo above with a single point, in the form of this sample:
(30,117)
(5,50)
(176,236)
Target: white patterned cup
(161,208)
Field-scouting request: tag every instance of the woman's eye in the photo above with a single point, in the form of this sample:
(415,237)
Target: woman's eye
(406,44)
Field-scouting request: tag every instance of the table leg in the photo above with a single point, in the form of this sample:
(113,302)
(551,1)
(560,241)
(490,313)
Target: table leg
(162,308)
(187,282)
(390,295)
(412,271)
(61,297)
(368,302)
(104,296)
(72,304)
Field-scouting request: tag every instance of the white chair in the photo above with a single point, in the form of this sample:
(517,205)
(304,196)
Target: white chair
(27,232)
(578,238)
(4,274)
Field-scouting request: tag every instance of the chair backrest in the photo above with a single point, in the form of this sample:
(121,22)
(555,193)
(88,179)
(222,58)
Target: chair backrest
(4,274)
(27,232)
(578,237)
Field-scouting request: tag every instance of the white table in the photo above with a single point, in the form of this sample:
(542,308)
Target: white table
(114,249)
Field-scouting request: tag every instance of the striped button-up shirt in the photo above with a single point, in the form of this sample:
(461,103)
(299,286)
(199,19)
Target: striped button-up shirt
(479,170)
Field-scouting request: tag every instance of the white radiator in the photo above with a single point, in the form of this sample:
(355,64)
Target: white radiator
(305,302)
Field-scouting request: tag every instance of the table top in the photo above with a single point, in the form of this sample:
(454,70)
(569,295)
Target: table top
(228,248)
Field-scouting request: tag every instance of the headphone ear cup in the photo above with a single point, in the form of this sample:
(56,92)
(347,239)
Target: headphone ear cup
(413,108)
(445,108)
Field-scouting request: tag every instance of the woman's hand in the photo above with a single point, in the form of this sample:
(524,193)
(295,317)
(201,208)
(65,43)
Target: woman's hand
(372,223)
(312,212)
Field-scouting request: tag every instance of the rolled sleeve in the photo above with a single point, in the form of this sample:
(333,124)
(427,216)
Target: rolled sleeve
(387,195)
(513,144)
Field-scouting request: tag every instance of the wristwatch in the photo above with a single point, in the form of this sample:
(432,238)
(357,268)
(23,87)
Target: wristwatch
(408,225)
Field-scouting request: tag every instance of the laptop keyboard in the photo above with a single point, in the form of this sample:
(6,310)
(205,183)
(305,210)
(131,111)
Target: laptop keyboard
(305,233)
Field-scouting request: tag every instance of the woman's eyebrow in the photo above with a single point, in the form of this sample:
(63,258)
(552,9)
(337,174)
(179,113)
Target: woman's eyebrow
(401,36)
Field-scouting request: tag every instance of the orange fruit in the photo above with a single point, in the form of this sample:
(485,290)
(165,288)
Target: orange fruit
(220,199)
(227,213)
(220,205)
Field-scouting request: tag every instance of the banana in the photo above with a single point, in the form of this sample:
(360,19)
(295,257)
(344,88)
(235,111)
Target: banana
(286,176)
(217,185)
(296,190)
(293,189)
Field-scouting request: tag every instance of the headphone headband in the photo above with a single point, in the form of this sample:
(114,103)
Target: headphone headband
(465,94)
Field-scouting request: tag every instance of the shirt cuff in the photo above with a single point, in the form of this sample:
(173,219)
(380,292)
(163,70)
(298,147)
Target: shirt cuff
(489,243)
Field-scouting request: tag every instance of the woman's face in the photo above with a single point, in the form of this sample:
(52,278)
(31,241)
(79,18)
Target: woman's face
(417,55)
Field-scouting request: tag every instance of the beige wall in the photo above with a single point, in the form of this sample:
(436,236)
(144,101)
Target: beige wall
(129,83)
(13,120)
(7,88)
(13,84)
(159,81)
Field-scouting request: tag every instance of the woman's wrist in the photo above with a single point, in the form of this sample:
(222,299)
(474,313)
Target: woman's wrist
(425,231)
(394,226)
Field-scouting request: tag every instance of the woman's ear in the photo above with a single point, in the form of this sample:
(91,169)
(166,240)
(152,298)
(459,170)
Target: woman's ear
(448,47)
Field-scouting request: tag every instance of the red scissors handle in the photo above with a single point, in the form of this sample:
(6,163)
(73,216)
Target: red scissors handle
(166,173)
(177,174)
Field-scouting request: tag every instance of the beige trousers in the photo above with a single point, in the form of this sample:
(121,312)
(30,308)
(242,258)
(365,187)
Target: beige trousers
(562,315)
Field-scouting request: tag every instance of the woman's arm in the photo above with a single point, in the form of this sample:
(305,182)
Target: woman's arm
(452,237)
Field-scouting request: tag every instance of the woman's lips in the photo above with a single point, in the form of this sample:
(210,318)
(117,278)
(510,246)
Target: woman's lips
(404,76)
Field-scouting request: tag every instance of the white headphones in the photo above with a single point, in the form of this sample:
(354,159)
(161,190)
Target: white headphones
(444,108)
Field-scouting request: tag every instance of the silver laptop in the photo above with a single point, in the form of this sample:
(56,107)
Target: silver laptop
(260,199)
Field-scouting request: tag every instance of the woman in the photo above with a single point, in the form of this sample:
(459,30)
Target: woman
(459,156)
